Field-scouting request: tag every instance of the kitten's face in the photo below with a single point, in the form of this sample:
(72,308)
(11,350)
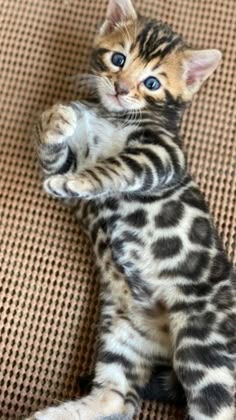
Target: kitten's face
(141,60)
(131,67)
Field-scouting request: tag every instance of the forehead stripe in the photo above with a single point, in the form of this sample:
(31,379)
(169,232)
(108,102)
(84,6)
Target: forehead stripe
(141,38)
(149,44)
(169,48)
(153,48)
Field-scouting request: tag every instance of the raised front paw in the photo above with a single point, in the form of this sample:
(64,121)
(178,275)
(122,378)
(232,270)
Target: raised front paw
(56,125)
(69,186)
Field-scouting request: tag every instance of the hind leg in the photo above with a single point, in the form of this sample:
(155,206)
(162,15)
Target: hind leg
(124,364)
(118,370)
(111,395)
(205,368)
(117,417)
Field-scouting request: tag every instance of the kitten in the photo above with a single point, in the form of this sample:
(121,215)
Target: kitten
(167,288)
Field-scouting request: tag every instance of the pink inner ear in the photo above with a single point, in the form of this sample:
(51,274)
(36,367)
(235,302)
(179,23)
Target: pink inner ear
(115,14)
(118,11)
(201,65)
(197,72)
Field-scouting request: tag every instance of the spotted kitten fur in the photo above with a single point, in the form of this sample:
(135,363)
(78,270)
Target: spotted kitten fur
(167,288)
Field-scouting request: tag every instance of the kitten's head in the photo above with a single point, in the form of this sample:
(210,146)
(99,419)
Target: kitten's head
(141,61)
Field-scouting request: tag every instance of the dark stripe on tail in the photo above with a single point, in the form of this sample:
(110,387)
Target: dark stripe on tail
(164,387)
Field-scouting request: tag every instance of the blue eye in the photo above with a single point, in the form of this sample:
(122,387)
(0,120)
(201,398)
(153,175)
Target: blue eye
(152,83)
(118,59)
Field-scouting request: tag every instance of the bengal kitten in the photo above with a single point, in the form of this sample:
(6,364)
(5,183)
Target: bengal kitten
(167,288)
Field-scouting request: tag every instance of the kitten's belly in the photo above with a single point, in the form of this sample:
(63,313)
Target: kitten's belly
(154,244)
(146,252)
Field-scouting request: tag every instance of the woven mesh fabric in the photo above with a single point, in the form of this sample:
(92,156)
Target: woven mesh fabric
(49,292)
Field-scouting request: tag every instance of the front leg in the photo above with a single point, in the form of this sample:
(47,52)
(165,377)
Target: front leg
(137,169)
(74,137)
(53,134)
(66,140)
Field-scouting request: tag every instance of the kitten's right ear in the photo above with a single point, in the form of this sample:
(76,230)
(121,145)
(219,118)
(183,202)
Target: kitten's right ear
(118,11)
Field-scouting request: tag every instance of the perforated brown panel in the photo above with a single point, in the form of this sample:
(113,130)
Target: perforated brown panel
(48,286)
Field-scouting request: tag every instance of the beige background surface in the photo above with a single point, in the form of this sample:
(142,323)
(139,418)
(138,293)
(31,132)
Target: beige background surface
(48,287)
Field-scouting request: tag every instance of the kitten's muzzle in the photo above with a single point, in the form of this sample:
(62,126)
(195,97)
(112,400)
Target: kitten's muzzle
(121,88)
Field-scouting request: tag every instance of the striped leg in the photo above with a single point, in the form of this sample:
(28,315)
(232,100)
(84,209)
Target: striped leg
(112,394)
(205,368)
(56,127)
(97,406)
(124,364)
(134,169)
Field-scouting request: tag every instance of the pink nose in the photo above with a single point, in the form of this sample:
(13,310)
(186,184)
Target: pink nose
(121,88)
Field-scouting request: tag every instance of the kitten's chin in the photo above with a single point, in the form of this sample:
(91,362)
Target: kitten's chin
(113,103)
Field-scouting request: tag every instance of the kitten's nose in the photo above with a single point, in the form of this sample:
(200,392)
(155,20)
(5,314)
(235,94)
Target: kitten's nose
(121,88)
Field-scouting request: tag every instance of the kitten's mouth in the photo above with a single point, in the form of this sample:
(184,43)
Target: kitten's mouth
(116,101)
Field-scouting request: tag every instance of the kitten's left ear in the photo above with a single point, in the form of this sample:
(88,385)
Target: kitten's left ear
(198,65)
(118,11)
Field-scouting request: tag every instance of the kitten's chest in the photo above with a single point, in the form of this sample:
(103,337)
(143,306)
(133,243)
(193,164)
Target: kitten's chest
(99,138)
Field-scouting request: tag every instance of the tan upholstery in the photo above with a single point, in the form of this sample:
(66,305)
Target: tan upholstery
(49,292)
